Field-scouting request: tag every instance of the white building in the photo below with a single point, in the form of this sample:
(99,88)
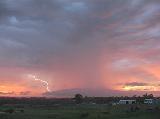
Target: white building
(148,101)
(127,102)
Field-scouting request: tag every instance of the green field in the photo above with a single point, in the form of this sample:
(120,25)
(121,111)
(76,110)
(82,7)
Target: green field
(81,112)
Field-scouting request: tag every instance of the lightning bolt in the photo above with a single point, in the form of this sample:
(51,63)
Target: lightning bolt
(42,81)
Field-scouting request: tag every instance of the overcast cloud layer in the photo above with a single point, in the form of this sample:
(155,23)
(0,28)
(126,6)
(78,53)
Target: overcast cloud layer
(79,44)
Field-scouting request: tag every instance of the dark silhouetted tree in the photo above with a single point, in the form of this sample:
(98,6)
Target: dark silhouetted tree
(78,98)
(148,95)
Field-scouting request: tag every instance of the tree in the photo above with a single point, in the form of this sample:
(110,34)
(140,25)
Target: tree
(78,98)
(148,95)
(145,95)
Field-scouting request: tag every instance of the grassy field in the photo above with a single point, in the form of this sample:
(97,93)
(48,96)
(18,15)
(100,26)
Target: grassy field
(81,112)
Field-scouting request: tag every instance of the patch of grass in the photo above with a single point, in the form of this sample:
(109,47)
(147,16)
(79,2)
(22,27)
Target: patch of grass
(82,112)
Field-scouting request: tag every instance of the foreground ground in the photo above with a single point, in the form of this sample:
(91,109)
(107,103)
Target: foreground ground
(81,112)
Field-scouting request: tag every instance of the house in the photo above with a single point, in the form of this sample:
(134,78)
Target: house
(151,101)
(127,102)
(148,101)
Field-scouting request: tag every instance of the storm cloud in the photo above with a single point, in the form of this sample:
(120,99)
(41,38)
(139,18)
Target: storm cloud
(76,43)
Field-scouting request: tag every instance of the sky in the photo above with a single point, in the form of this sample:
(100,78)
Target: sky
(94,47)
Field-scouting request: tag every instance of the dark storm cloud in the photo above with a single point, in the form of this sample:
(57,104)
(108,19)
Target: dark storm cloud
(73,37)
(3,9)
(44,27)
(48,25)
